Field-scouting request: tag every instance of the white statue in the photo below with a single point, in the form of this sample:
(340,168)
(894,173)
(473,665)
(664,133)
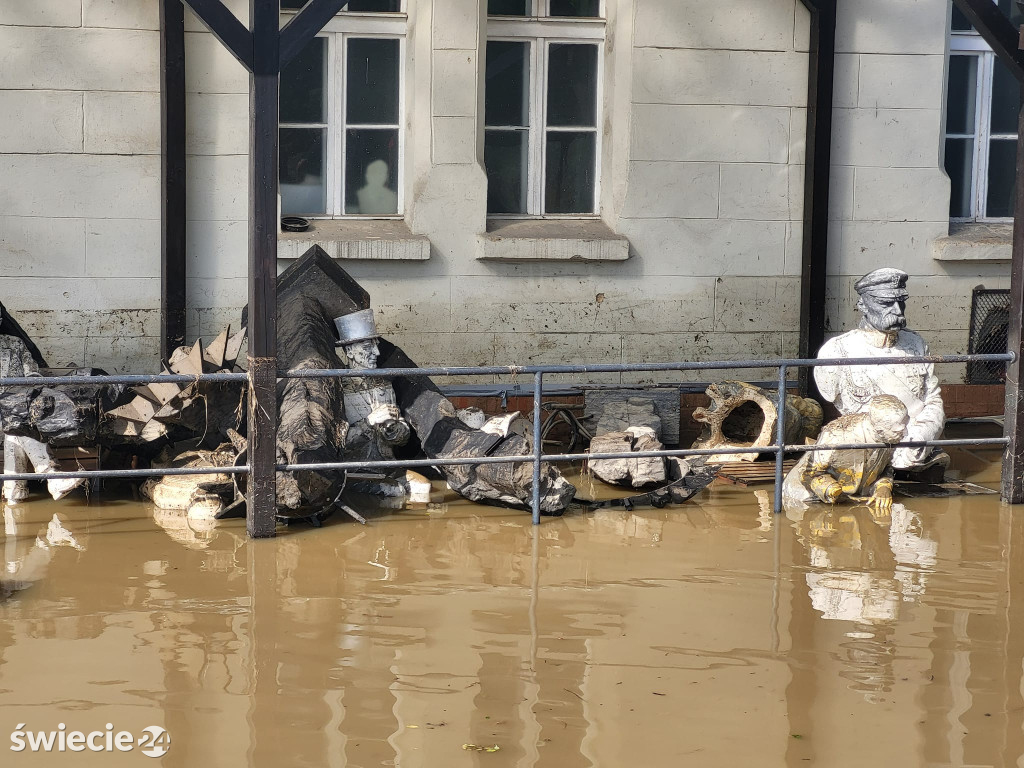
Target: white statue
(882,334)
(375,198)
(375,424)
(22,452)
(829,474)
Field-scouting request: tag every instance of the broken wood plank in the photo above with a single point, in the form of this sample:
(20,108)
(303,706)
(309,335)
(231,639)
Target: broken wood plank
(214,353)
(754,473)
(232,348)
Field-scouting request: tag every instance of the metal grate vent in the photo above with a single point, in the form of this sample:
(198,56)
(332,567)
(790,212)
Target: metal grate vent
(990,319)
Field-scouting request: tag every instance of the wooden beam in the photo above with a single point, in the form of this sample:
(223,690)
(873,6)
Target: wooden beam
(305,25)
(225,27)
(1013,458)
(264,88)
(172,176)
(817,183)
(997,31)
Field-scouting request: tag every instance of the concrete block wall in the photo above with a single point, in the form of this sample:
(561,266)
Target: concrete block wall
(79,179)
(702,165)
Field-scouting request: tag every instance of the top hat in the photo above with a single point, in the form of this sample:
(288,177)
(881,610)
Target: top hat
(356,326)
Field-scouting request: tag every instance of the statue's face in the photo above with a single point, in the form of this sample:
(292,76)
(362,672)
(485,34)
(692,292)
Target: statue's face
(884,314)
(363,354)
(889,426)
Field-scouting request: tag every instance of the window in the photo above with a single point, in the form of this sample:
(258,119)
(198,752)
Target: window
(982,104)
(341,112)
(541,107)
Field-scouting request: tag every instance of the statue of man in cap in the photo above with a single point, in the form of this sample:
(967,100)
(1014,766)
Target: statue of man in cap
(883,334)
(375,423)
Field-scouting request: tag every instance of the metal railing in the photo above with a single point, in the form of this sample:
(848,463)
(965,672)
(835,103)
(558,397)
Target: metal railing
(538,457)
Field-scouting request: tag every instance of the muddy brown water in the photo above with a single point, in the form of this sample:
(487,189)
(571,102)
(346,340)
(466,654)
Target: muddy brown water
(711,634)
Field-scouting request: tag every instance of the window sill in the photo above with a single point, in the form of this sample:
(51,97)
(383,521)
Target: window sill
(975,241)
(551,240)
(371,240)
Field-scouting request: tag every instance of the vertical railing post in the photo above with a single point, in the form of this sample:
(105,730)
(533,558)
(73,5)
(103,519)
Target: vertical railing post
(263,174)
(780,438)
(538,444)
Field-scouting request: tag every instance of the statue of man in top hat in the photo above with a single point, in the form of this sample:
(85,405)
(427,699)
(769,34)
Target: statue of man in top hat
(375,423)
(883,334)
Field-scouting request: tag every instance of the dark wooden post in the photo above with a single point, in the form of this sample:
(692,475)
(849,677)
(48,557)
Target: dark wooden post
(172,176)
(817,180)
(1013,459)
(264,84)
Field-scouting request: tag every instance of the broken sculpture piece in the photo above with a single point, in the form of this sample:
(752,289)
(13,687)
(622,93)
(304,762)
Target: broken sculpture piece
(440,433)
(860,474)
(22,448)
(202,497)
(744,416)
(631,472)
(882,334)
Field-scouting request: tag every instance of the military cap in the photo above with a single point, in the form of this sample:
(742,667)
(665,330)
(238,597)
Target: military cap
(884,283)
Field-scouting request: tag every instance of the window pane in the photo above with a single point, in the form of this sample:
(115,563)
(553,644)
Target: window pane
(505,158)
(302,85)
(302,171)
(508,7)
(507,87)
(960,169)
(961,97)
(371,171)
(372,81)
(569,186)
(590,8)
(1012,11)
(959,22)
(572,84)
(1005,100)
(1002,161)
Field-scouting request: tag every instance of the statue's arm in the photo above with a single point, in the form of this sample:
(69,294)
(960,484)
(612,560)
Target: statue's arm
(928,423)
(827,376)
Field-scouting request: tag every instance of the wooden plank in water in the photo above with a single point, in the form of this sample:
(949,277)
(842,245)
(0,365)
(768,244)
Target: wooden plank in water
(752,473)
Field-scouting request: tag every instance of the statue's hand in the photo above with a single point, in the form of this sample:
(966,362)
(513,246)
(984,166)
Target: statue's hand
(882,500)
(830,493)
(381,414)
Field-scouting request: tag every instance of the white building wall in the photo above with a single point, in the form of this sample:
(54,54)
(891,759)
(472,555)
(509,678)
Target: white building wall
(702,171)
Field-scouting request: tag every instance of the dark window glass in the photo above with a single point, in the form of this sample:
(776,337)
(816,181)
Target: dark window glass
(960,169)
(507,87)
(508,7)
(1012,11)
(572,84)
(959,22)
(372,81)
(569,186)
(1002,160)
(302,171)
(374,6)
(1005,99)
(505,158)
(590,8)
(302,85)
(961,99)
(371,171)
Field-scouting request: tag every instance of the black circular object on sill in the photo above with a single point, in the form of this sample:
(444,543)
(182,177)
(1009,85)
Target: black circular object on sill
(294,224)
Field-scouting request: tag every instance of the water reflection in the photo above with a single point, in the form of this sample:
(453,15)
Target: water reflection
(595,639)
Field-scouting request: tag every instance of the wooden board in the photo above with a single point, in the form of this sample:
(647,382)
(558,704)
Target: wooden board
(753,473)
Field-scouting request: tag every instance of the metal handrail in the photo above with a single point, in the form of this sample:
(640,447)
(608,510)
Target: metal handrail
(538,457)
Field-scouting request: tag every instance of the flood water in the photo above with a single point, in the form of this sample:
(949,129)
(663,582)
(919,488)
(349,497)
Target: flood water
(710,634)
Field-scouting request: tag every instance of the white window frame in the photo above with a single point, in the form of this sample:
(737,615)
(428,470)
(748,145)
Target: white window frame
(971,43)
(539,31)
(338,31)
